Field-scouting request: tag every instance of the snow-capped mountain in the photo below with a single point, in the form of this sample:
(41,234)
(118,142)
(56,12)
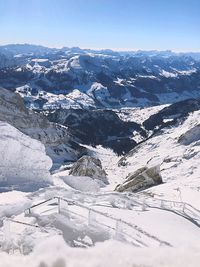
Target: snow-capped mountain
(52,78)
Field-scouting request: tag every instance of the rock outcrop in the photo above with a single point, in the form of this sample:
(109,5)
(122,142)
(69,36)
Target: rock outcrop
(171,114)
(141,179)
(192,135)
(60,145)
(89,166)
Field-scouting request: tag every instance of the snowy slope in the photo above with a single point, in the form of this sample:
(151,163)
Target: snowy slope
(23,160)
(176,149)
(179,161)
(59,144)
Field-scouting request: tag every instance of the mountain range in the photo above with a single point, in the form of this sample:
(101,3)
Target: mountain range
(49,78)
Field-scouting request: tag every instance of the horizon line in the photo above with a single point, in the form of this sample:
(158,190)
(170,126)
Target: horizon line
(102,48)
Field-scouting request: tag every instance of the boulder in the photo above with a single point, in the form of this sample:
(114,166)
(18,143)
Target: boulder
(141,179)
(89,166)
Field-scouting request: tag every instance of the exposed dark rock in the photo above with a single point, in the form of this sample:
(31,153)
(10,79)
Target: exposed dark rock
(140,180)
(172,114)
(89,166)
(60,144)
(98,127)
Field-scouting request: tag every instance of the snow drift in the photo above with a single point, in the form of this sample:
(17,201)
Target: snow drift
(55,253)
(23,160)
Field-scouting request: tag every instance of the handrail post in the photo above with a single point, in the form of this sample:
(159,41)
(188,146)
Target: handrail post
(144,205)
(183,207)
(6,229)
(118,230)
(59,208)
(91,217)
(27,212)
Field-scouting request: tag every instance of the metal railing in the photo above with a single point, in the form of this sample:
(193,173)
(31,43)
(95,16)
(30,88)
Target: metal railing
(121,229)
(180,208)
(10,241)
(131,200)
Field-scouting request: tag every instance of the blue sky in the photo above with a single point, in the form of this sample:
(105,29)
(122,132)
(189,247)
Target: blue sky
(115,24)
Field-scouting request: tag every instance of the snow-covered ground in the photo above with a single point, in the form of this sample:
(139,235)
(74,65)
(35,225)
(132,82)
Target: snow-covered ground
(93,214)
(23,161)
(179,163)
(138,115)
(55,253)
